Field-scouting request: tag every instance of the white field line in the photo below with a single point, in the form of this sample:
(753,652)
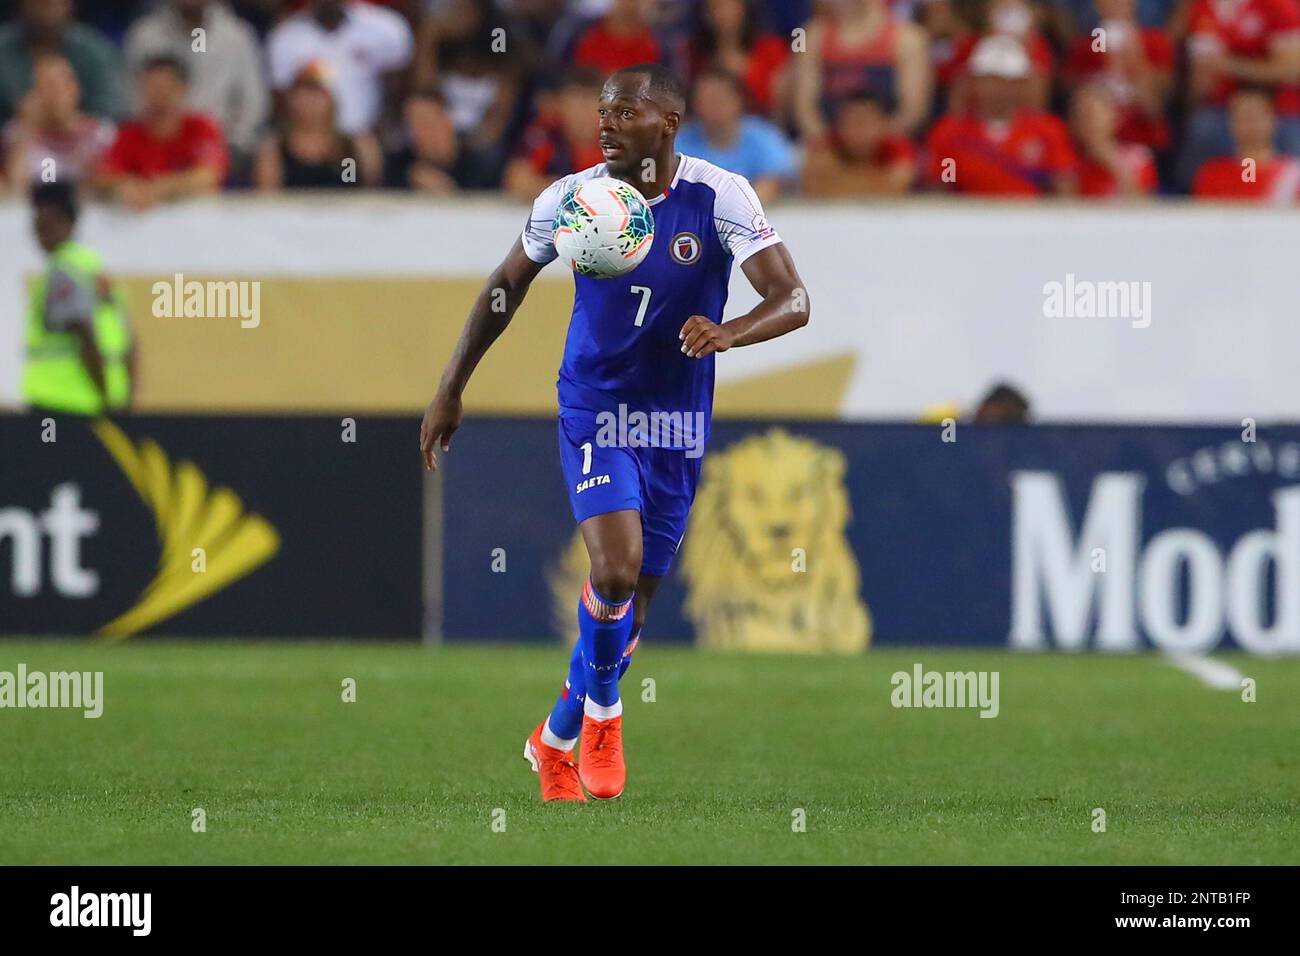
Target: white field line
(1211,673)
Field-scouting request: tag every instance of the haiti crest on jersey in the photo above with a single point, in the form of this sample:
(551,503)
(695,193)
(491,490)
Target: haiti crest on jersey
(686,248)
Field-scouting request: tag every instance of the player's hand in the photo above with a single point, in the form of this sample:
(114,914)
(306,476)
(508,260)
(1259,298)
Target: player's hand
(441,419)
(702,336)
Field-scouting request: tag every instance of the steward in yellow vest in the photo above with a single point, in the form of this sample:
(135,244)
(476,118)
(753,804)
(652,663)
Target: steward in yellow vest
(79,352)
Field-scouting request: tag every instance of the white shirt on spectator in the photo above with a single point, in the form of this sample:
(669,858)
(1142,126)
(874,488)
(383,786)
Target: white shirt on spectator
(369,42)
(227,80)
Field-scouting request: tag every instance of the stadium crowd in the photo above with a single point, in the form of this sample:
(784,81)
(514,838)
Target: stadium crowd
(146,102)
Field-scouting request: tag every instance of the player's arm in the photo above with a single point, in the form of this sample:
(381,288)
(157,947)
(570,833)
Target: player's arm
(784,308)
(92,358)
(69,307)
(495,307)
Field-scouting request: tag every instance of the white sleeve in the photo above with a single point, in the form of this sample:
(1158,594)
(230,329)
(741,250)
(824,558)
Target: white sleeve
(738,216)
(67,302)
(539,232)
(390,40)
(283,55)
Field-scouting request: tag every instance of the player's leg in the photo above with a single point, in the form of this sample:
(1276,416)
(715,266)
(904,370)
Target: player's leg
(606,612)
(604,492)
(669,480)
(605,616)
(562,727)
(668,483)
(646,586)
(564,724)
(604,626)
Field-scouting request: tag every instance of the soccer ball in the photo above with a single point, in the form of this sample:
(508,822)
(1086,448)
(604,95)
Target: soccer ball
(603,228)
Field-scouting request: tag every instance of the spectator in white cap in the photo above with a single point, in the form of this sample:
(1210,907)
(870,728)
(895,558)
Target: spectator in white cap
(1003,147)
(1017,20)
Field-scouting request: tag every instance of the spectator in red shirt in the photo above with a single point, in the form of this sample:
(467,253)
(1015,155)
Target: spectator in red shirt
(1255,172)
(166,152)
(1108,166)
(863,156)
(622,37)
(729,37)
(1004,148)
(1136,65)
(563,139)
(1255,42)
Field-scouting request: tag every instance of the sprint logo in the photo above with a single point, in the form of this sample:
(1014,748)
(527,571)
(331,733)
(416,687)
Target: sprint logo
(189,515)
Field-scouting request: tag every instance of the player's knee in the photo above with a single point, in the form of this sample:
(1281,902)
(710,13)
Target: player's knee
(615,578)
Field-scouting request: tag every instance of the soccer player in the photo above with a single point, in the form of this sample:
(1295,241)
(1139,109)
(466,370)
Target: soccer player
(640,343)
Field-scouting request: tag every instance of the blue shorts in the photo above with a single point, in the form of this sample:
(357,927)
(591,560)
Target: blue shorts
(658,482)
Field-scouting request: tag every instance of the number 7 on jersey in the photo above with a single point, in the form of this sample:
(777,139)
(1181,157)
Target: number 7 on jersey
(644,292)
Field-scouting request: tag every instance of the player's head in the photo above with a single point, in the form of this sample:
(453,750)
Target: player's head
(641,109)
(54,213)
(1003,405)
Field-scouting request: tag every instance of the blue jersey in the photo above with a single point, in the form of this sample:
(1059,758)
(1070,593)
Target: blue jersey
(622,347)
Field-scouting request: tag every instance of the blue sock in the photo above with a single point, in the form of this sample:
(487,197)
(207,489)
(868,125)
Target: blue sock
(627,653)
(566,716)
(604,628)
(565,720)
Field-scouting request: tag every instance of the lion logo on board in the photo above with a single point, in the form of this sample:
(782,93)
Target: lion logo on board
(766,559)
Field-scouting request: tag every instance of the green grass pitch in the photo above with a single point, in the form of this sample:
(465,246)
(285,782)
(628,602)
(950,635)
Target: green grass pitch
(417,770)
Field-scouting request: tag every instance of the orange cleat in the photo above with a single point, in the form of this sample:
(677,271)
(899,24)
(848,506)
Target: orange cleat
(602,769)
(555,769)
